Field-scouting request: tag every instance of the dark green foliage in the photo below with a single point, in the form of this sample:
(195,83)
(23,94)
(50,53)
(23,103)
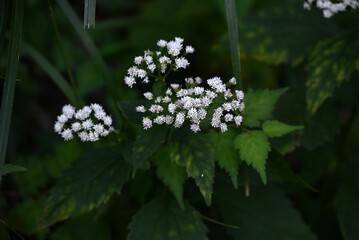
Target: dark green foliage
(301,70)
(88,184)
(162,219)
(266,209)
(331,63)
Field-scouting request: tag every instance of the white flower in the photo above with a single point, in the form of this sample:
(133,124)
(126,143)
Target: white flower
(147,123)
(140,109)
(180,117)
(171,108)
(233,81)
(189,49)
(162,43)
(238,120)
(76,126)
(228,117)
(67,134)
(88,123)
(148,95)
(68,110)
(138,60)
(130,81)
(195,128)
(223,127)
(58,127)
(181,62)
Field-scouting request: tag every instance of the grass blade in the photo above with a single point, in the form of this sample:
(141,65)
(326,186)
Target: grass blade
(53,73)
(233,40)
(10,79)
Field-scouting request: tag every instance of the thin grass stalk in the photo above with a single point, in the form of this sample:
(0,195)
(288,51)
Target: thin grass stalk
(10,79)
(232,25)
(52,72)
(64,56)
(95,54)
(89,13)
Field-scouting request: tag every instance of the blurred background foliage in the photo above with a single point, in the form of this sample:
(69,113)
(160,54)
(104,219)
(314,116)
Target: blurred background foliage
(312,194)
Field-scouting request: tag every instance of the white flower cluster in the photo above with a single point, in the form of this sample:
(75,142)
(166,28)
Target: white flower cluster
(89,123)
(194,103)
(329,8)
(171,56)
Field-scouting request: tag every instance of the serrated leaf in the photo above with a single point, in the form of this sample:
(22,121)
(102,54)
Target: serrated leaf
(171,173)
(265,214)
(274,128)
(254,148)
(322,127)
(147,142)
(88,184)
(9,168)
(162,219)
(283,33)
(331,63)
(225,154)
(195,152)
(259,105)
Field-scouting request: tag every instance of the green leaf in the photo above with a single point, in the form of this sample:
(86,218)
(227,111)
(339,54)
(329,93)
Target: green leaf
(162,219)
(170,173)
(225,154)
(254,148)
(259,105)
(197,155)
(88,184)
(322,127)
(274,128)
(9,168)
(331,63)
(266,214)
(346,203)
(283,33)
(147,142)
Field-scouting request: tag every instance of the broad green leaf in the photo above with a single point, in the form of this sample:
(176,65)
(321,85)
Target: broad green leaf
(225,154)
(163,219)
(346,204)
(274,128)
(171,173)
(254,148)
(283,33)
(265,215)
(331,63)
(147,142)
(259,105)
(88,184)
(322,127)
(9,168)
(197,155)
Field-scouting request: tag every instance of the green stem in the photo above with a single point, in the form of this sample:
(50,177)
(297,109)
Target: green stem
(233,40)
(64,56)
(219,223)
(10,79)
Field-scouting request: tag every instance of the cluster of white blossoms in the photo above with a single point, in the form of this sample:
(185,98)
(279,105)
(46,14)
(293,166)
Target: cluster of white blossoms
(330,8)
(194,103)
(89,123)
(170,56)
